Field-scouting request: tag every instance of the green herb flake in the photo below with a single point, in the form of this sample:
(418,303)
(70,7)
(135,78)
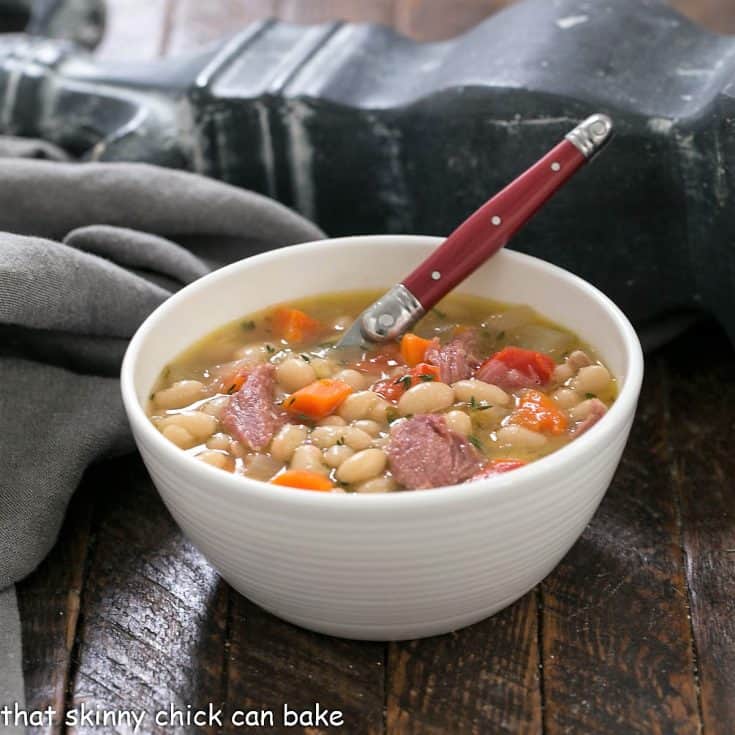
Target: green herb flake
(248,325)
(589,395)
(439,313)
(305,358)
(340,442)
(392,415)
(427,377)
(474,441)
(501,335)
(232,389)
(270,349)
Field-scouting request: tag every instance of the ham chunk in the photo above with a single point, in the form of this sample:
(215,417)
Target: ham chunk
(251,416)
(423,453)
(457,360)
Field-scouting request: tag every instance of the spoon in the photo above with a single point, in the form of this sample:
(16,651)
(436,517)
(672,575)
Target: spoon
(478,238)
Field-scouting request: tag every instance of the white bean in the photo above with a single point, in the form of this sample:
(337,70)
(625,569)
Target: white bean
(353,378)
(578,359)
(215,406)
(591,379)
(332,420)
(200,425)
(218,459)
(377,485)
(356,438)
(322,367)
(562,373)
(237,449)
(565,397)
(253,354)
(583,409)
(261,466)
(379,410)
(426,398)
(327,436)
(294,373)
(308,457)
(459,422)
(180,394)
(286,440)
(362,466)
(358,405)
(380,441)
(520,437)
(368,426)
(466,390)
(335,455)
(219,441)
(179,436)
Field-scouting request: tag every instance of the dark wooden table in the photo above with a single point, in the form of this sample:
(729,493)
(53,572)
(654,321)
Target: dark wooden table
(634,632)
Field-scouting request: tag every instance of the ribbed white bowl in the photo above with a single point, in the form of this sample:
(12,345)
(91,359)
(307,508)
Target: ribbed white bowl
(400,565)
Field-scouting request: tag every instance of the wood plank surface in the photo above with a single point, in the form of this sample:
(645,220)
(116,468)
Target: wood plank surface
(617,649)
(272,664)
(483,679)
(153,611)
(702,406)
(49,602)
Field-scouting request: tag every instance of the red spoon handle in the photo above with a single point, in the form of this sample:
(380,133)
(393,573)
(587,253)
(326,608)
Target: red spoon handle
(486,231)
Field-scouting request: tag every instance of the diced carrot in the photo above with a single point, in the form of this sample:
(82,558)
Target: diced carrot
(294,325)
(318,399)
(303,479)
(537,412)
(529,362)
(413,348)
(393,388)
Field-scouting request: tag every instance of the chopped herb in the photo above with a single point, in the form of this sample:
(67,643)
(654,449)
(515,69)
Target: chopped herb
(305,358)
(475,441)
(340,442)
(404,381)
(232,389)
(501,335)
(151,396)
(303,416)
(270,349)
(439,313)
(249,325)
(427,377)
(472,403)
(590,395)
(391,415)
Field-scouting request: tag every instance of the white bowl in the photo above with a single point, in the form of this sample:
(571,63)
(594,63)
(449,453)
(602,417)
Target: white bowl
(393,566)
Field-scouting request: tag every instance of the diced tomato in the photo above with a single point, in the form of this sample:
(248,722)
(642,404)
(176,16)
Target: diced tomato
(393,388)
(529,362)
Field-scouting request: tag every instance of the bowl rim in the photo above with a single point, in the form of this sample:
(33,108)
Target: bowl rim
(200,472)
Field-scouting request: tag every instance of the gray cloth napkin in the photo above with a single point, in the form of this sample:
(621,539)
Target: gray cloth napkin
(86,252)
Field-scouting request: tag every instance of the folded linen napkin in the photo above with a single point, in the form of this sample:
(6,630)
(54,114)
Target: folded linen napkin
(86,252)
